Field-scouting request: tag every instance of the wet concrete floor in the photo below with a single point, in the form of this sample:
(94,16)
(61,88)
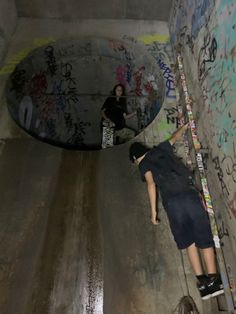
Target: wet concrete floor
(76,237)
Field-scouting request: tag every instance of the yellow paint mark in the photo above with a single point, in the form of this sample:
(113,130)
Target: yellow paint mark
(39,42)
(149,39)
(13,61)
(9,68)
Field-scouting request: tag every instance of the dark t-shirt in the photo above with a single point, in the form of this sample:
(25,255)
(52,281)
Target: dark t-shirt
(169,173)
(115,110)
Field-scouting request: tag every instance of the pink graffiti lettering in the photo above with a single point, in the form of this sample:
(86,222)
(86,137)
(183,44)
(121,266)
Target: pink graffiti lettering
(121,74)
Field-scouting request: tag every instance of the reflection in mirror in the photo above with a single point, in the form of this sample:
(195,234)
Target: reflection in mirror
(85,94)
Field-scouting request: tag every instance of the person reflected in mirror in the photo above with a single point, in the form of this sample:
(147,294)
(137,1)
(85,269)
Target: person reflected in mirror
(166,175)
(114,109)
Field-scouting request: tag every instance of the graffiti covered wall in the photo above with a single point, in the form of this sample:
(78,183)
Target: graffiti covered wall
(204,34)
(152,38)
(158,46)
(57,91)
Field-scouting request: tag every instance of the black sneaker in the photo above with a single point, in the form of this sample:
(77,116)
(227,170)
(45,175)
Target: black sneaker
(211,287)
(215,286)
(205,292)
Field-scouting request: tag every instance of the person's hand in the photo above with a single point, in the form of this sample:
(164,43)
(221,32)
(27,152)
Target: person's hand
(155,220)
(107,122)
(111,123)
(186,126)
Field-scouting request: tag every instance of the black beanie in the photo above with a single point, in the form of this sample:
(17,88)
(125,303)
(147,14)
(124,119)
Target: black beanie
(137,150)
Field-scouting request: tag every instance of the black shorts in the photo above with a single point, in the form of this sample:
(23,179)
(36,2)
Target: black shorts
(189,221)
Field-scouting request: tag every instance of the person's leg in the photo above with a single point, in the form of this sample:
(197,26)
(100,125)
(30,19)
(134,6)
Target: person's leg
(209,285)
(202,280)
(128,133)
(208,256)
(119,137)
(210,261)
(203,237)
(214,284)
(194,259)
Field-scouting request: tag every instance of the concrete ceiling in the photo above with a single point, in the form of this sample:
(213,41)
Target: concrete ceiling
(96,9)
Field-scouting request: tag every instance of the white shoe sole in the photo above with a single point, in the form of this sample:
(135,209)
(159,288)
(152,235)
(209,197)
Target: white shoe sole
(212,295)
(219,292)
(206,297)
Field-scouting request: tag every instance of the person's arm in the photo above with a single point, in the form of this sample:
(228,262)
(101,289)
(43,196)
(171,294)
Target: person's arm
(104,108)
(152,193)
(130,115)
(178,134)
(104,116)
(126,115)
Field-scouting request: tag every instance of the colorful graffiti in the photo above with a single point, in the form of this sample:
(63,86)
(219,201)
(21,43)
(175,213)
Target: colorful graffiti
(188,18)
(211,25)
(203,32)
(160,49)
(169,79)
(45,91)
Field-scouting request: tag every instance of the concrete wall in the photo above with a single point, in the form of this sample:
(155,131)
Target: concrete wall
(204,33)
(8,19)
(115,9)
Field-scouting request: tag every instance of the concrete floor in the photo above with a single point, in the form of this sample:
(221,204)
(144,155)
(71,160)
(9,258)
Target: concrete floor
(76,236)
